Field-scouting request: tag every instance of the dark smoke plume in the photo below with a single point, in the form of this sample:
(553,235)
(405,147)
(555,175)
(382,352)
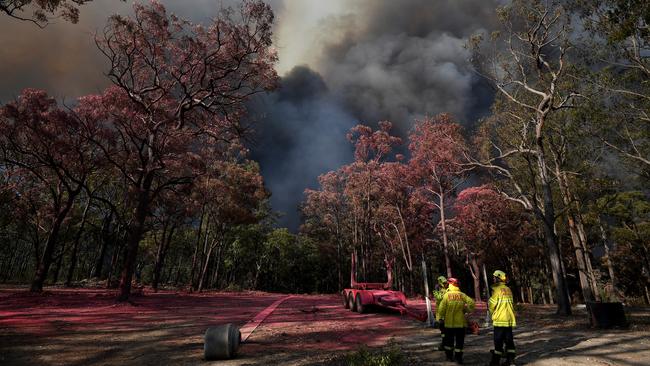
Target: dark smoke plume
(379,60)
(302,135)
(366,61)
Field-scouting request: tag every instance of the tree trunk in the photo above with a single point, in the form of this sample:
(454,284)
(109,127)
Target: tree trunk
(197,247)
(36,242)
(105,234)
(136,229)
(217,260)
(547,216)
(75,246)
(117,252)
(160,256)
(58,264)
(50,244)
(443,228)
(475,271)
(583,275)
(205,266)
(477,280)
(585,285)
(610,265)
(177,277)
(585,249)
(487,284)
(339,259)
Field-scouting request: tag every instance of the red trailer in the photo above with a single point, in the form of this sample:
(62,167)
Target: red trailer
(363,295)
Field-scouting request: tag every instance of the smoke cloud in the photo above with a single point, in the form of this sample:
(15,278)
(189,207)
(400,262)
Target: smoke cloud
(342,62)
(378,60)
(301,137)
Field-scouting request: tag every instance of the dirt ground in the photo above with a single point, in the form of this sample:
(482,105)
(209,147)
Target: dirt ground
(86,327)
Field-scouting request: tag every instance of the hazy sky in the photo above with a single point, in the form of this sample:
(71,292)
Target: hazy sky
(342,62)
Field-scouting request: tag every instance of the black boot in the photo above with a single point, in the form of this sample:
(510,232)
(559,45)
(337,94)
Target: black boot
(495,359)
(458,356)
(450,355)
(510,359)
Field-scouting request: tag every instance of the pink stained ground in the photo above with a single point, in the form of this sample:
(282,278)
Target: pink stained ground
(86,326)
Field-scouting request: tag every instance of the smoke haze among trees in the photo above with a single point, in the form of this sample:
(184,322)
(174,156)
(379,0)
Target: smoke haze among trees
(375,60)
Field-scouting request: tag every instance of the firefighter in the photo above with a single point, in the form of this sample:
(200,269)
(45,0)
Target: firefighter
(501,307)
(453,307)
(438,293)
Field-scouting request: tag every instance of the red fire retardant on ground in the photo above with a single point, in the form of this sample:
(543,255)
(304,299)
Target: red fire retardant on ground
(171,324)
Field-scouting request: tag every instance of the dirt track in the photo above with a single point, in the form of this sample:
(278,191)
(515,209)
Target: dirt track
(86,327)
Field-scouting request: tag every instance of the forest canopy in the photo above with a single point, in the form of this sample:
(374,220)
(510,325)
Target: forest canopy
(150,181)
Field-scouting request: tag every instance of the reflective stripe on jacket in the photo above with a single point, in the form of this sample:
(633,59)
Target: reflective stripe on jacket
(453,307)
(501,306)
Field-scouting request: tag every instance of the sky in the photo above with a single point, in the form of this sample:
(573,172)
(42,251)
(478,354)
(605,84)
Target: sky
(341,63)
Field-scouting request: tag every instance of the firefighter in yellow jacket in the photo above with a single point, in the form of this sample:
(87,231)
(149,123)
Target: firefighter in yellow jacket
(501,307)
(452,311)
(438,293)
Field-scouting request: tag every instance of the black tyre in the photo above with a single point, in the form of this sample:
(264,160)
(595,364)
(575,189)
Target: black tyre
(352,305)
(360,308)
(346,302)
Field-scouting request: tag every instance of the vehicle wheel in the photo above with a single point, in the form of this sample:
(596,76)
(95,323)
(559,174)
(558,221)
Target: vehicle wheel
(352,305)
(359,305)
(346,302)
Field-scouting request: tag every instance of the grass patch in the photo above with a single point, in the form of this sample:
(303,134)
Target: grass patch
(390,356)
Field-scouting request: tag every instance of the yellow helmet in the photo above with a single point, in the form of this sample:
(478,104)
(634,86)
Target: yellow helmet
(442,280)
(500,275)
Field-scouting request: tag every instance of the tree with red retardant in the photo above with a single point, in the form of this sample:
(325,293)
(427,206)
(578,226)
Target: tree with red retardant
(363,186)
(44,149)
(485,222)
(177,86)
(327,209)
(438,150)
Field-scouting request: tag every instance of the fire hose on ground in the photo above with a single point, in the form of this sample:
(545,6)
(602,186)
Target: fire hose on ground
(223,341)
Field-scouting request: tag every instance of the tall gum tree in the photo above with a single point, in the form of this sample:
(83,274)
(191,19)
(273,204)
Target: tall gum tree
(235,191)
(528,69)
(392,222)
(570,160)
(372,148)
(176,85)
(327,208)
(438,153)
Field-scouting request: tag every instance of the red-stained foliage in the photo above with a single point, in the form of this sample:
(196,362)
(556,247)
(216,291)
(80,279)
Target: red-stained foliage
(372,146)
(487,218)
(178,87)
(46,155)
(363,185)
(486,222)
(43,10)
(438,151)
(326,215)
(231,193)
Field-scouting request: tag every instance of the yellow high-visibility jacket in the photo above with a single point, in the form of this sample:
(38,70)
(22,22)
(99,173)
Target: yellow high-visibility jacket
(453,307)
(438,294)
(502,306)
